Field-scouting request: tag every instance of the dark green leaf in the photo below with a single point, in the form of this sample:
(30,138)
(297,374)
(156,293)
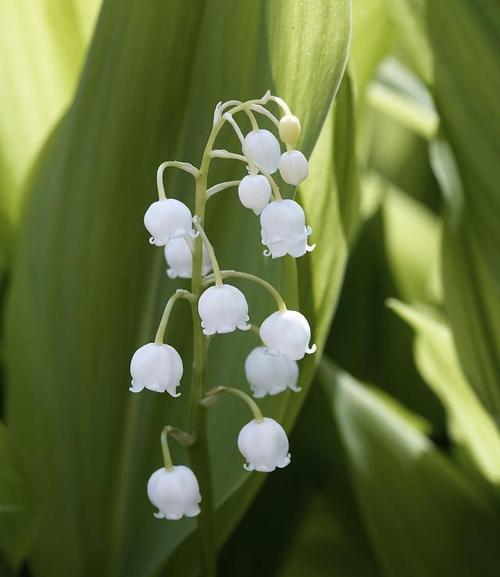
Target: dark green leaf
(467,80)
(425,518)
(18,515)
(90,288)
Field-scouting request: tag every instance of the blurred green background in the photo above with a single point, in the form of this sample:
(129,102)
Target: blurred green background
(395,437)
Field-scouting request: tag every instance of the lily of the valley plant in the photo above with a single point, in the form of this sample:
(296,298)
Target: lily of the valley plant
(219,307)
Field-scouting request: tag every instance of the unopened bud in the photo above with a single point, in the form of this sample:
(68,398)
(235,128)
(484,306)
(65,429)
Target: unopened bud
(289,129)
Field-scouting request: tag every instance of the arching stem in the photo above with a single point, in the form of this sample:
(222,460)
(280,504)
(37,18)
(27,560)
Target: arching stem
(246,275)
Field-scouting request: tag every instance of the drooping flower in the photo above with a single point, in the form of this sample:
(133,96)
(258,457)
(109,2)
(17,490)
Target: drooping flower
(166,219)
(287,333)
(289,129)
(157,367)
(264,149)
(264,445)
(283,229)
(254,191)
(223,309)
(293,167)
(179,258)
(175,492)
(269,374)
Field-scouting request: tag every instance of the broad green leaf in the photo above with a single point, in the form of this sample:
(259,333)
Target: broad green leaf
(365,337)
(42,45)
(399,94)
(412,242)
(409,19)
(425,518)
(18,515)
(467,80)
(372,37)
(91,289)
(471,425)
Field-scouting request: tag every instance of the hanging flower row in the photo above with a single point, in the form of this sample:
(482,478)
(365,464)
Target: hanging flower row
(221,307)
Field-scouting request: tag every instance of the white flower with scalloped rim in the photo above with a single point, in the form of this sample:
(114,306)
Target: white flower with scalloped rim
(270,374)
(264,445)
(175,492)
(166,219)
(157,367)
(179,258)
(287,333)
(293,167)
(264,149)
(283,229)
(254,191)
(223,309)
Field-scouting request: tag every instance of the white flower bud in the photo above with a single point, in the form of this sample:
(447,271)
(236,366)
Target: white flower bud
(283,229)
(254,191)
(287,333)
(269,374)
(264,445)
(157,367)
(179,258)
(289,129)
(264,149)
(223,309)
(175,492)
(166,219)
(293,167)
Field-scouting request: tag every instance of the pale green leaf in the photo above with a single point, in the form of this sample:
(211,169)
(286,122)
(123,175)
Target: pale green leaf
(412,242)
(42,45)
(399,94)
(409,20)
(372,37)
(471,425)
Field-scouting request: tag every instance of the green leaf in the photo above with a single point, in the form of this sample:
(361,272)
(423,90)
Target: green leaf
(415,266)
(366,338)
(425,518)
(372,37)
(465,95)
(91,289)
(42,45)
(409,20)
(436,358)
(18,515)
(399,94)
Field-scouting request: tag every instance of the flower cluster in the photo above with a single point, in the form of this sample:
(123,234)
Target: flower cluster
(285,335)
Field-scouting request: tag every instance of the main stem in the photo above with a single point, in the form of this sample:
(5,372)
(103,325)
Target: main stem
(198,451)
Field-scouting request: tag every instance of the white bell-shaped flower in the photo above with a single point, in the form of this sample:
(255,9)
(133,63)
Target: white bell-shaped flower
(269,374)
(166,219)
(254,191)
(223,309)
(287,333)
(283,229)
(264,445)
(179,258)
(293,167)
(289,129)
(264,149)
(157,367)
(175,492)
